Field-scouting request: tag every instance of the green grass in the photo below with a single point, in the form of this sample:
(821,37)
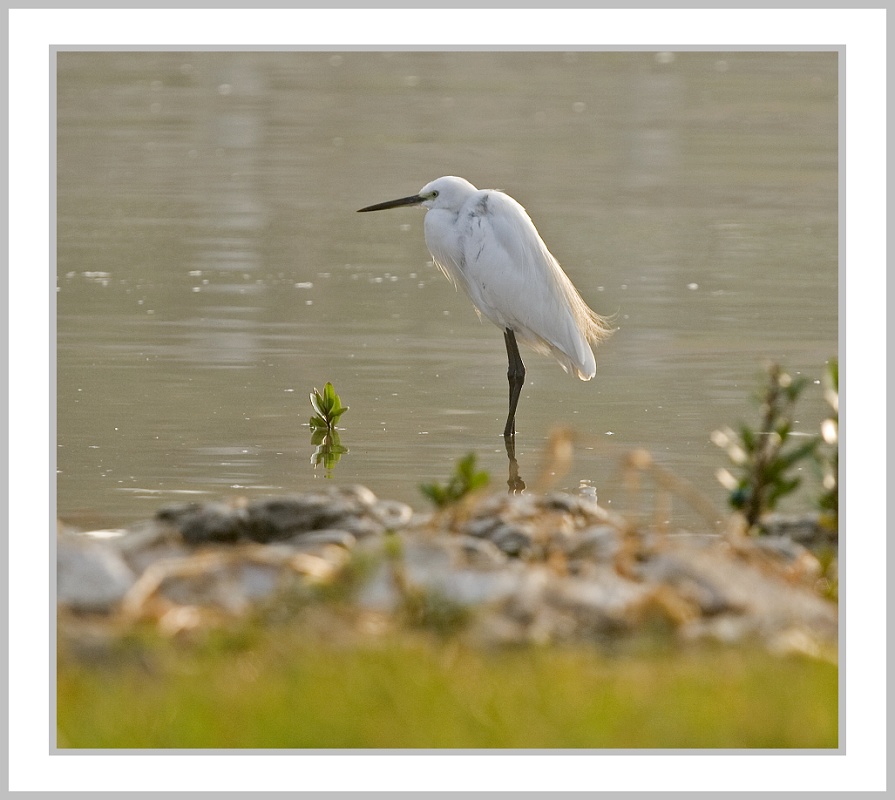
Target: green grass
(284,687)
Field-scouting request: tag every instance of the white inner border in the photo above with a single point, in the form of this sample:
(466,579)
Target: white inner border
(862,31)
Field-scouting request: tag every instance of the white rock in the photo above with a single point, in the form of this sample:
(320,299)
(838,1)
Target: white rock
(90,576)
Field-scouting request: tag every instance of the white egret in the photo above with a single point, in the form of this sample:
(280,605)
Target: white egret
(485,243)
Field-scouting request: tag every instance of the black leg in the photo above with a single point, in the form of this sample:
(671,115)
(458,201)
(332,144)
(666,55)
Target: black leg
(516,377)
(515,482)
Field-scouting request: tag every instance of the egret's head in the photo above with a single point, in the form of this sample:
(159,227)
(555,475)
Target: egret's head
(448,192)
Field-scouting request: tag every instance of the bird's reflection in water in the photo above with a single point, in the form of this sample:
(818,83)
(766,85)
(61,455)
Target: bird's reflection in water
(556,464)
(514,481)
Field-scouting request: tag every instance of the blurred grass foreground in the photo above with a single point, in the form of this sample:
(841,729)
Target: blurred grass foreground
(285,688)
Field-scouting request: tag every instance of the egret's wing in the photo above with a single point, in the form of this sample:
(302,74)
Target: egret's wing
(444,243)
(513,280)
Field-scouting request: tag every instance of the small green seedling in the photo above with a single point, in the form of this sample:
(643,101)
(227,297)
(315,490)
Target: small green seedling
(464,480)
(328,407)
(761,457)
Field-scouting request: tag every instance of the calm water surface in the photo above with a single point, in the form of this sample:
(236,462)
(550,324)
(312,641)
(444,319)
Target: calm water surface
(212,270)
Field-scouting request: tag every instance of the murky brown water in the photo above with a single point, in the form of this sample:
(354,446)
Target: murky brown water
(212,269)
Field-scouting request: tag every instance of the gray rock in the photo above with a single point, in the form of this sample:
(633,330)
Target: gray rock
(146,543)
(604,603)
(481,527)
(282,518)
(325,537)
(232,588)
(569,503)
(90,576)
(480,553)
(514,540)
(767,601)
(362,527)
(692,580)
(361,495)
(211,522)
(391,514)
(471,587)
(597,543)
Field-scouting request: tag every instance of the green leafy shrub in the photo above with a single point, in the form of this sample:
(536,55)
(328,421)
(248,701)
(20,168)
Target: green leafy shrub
(764,457)
(464,480)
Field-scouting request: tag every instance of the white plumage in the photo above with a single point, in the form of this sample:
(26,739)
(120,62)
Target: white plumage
(486,244)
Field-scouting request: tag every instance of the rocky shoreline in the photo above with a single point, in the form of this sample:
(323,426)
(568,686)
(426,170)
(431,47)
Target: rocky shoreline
(498,569)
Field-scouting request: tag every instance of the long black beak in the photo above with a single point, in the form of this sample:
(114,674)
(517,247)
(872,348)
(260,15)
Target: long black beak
(413,200)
